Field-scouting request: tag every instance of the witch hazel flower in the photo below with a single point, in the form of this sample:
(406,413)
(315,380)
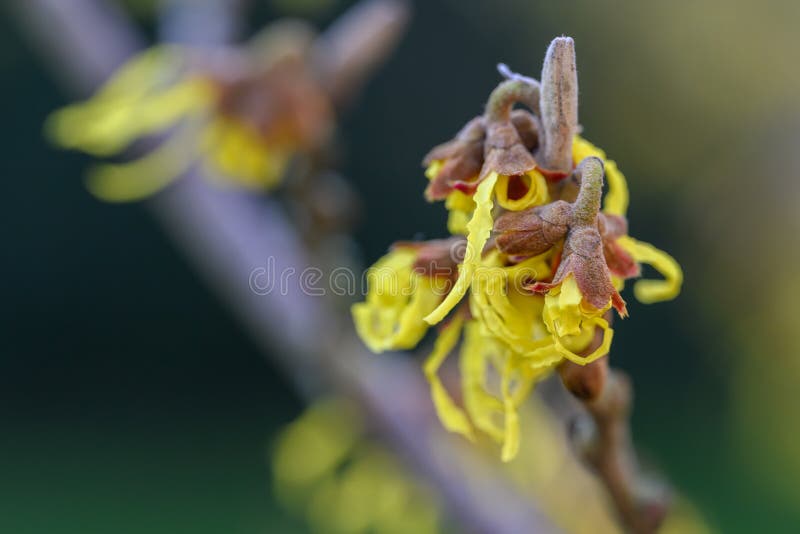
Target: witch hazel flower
(545,254)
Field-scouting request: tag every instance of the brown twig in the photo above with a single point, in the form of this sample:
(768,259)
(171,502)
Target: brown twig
(602,436)
(347,53)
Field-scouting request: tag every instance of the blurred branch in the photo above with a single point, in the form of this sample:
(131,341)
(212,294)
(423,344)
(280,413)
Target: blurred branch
(82,40)
(229,234)
(356,43)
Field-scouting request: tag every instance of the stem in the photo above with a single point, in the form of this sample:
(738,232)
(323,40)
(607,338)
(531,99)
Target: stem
(508,93)
(587,205)
(356,43)
(601,433)
(610,453)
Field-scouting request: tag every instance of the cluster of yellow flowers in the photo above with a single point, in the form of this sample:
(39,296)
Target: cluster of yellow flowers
(537,266)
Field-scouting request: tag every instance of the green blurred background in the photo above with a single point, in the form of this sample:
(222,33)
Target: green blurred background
(131,401)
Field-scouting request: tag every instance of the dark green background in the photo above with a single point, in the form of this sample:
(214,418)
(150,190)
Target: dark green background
(130,401)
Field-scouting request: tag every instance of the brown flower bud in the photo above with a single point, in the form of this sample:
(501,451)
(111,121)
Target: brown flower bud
(586,382)
(504,152)
(533,231)
(282,102)
(462,159)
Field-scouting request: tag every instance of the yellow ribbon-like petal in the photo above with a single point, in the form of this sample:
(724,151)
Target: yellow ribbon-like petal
(460,207)
(452,417)
(511,423)
(478,228)
(102,127)
(511,314)
(650,291)
(433,169)
(140,178)
(599,352)
(155,66)
(397,300)
(562,310)
(482,407)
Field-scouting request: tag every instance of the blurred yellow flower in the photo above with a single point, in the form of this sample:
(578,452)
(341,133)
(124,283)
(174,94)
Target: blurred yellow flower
(329,470)
(243,121)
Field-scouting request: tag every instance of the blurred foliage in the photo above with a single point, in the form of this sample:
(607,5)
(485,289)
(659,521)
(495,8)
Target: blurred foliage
(305,8)
(140,9)
(328,469)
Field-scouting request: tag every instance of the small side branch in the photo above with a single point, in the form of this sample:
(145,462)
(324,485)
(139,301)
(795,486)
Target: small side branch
(602,436)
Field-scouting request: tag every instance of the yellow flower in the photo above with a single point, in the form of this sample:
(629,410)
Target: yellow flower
(511,314)
(572,322)
(493,406)
(397,300)
(201,116)
(150,94)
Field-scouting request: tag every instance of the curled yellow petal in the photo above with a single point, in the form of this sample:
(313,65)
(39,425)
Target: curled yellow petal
(152,67)
(599,352)
(459,211)
(452,417)
(650,291)
(535,195)
(483,408)
(617,198)
(433,169)
(511,423)
(563,308)
(397,300)
(478,228)
(571,322)
(141,92)
(103,127)
(140,178)
(510,314)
